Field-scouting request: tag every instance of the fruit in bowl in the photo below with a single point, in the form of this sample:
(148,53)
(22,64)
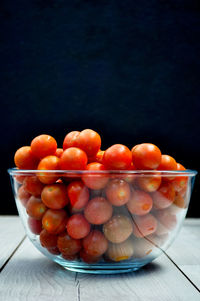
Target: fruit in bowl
(99,211)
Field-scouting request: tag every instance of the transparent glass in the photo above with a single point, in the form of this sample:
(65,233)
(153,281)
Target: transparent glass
(137,215)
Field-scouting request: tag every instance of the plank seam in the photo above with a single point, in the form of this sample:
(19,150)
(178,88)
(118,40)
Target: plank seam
(181,271)
(78,286)
(11,255)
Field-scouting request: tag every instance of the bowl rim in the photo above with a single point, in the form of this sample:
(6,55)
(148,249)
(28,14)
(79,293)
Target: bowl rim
(189,172)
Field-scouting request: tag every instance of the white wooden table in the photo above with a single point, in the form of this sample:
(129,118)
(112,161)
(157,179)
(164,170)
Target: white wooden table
(25,274)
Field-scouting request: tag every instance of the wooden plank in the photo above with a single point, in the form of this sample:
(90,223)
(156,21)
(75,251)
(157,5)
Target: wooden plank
(11,234)
(185,251)
(30,275)
(160,280)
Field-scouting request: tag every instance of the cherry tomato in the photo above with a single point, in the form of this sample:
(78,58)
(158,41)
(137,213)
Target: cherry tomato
(149,183)
(142,247)
(121,251)
(78,195)
(99,156)
(179,182)
(164,196)
(73,158)
(130,178)
(20,179)
(54,251)
(33,185)
(70,257)
(89,141)
(178,204)
(118,228)
(55,196)
(98,211)
(71,140)
(24,158)
(67,245)
(140,203)
(35,208)
(77,226)
(117,156)
(179,201)
(118,192)
(146,156)
(95,181)
(88,258)
(48,240)
(144,225)
(43,146)
(95,244)
(182,192)
(35,225)
(59,152)
(166,218)
(54,221)
(48,163)
(167,163)
(23,195)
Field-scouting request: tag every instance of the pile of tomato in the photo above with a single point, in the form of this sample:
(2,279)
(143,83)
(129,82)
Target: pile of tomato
(98,214)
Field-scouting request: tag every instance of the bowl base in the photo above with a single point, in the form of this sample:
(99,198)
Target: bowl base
(102,271)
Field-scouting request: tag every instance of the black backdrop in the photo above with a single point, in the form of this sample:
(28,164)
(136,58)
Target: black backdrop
(128,69)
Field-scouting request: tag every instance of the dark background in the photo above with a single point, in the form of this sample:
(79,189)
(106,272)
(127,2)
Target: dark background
(127,69)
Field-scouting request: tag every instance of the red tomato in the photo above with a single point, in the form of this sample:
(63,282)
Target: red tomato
(55,196)
(24,158)
(178,204)
(142,247)
(33,185)
(77,226)
(149,183)
(48,240)
(118,228)
(48,163)
(95,244)
(35,208)
(164,196)
(20,179)
(95,181)
(167,163)
(179,182)
(23,195)
(99,156)
(118,192)
(59,152)
(54,251)
(78,195)
(88,258)
(117,156)
(67,245)
(71,140)
(144,225)
(146,156)
(54,221)
(89,141)
(179,201)
(129,177)
(70,257)
(140,203)
(35,225)
(166,218)
(43,146)
(73,158)
(98,211)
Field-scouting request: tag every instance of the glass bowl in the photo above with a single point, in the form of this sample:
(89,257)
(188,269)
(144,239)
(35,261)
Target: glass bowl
(102,221)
